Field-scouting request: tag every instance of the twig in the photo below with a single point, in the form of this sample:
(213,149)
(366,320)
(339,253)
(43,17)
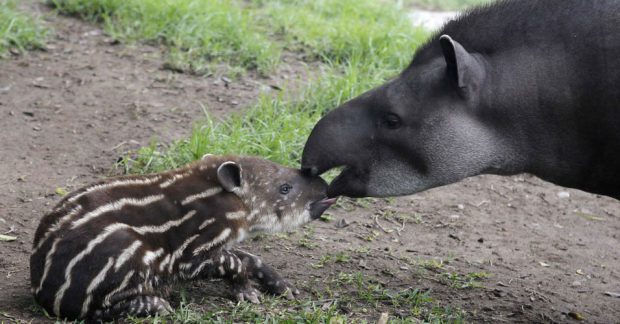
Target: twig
(381,227)
(398,230)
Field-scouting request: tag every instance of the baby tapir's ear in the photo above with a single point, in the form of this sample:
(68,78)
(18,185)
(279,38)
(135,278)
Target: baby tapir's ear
(229,176)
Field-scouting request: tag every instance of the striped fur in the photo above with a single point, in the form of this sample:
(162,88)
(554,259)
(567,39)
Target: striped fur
(112,246)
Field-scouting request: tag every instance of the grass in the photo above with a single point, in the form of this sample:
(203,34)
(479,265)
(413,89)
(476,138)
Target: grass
(18,31)
(348,297)
(447,4)
(196,33)
(249,34)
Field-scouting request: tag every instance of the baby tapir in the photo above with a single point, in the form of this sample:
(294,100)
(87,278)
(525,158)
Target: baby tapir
(109,250)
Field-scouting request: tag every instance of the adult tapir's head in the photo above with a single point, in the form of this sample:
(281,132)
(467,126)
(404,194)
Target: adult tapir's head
(421,130)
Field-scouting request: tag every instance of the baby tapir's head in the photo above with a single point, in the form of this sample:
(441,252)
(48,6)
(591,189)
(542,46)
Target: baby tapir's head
(278,198)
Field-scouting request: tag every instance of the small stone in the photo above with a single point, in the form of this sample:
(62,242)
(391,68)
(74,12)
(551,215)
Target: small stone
(576,283)
(563,194)
(342,223)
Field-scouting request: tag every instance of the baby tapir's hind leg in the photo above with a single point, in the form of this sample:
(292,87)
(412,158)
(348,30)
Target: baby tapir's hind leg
(138,306)
(269,279)
(227,265)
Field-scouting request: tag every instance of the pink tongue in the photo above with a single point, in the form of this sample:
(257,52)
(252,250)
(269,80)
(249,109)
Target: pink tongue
(329,201)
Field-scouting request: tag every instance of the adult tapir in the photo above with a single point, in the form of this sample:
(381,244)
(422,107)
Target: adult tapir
(519,86)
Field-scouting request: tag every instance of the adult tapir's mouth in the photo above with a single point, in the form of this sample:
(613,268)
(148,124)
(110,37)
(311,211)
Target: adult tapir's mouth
(318,207)
(350,182)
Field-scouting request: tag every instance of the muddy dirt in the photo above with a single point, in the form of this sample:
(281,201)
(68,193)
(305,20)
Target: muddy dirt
(68,113)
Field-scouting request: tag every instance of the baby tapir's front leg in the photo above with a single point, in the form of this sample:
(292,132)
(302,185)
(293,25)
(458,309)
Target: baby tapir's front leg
(268,278)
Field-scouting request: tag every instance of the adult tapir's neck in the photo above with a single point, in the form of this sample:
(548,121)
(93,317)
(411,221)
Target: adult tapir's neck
(544,107)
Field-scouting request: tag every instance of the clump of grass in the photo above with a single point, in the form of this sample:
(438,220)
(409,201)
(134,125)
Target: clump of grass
(339,30)
(359,299)
(196,32)
(448,4)
(18,30)
(413,304)
(469,280)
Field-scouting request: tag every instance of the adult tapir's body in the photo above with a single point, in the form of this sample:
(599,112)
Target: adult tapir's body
(519,86)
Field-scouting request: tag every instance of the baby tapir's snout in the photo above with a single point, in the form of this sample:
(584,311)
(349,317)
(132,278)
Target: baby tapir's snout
(321,203)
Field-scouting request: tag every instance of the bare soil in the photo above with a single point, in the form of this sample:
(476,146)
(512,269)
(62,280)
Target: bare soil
(68,113)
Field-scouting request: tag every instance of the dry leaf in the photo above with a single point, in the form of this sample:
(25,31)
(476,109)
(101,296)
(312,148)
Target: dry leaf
(61,191)
(7,238)
(576,316)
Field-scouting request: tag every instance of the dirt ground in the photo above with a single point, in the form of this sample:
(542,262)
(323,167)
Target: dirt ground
(68,113)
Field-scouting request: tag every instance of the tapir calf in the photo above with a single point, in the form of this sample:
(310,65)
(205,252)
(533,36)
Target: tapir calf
(112,249)
(518,86)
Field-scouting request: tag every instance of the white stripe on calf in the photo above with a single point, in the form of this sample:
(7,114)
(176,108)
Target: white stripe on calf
(48,264)
(94,284)
(200,267)
(150,256)
(127,254)
(185,266)
(206,223)
(116,205)
(164,263)
(236,215)
(218,239)
(114,184)
(91,245)
(207,193)
(174,179)
(176,254)
(106,300)
(57,226)
(165,226)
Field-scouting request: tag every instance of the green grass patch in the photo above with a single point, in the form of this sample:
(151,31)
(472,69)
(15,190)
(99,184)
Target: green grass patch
(252,34)
(197,33)
(17,30)
(344,298)
(469,280)
(447,4)
(338,31)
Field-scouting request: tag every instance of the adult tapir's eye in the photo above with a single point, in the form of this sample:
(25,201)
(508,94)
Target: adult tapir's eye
(392,121)
(285,188)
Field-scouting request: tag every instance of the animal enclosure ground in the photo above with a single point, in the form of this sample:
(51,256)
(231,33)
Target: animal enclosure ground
(488,249)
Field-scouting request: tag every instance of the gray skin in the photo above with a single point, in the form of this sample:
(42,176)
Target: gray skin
(519,86)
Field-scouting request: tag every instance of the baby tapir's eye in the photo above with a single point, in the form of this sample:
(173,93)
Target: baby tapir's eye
(285,188)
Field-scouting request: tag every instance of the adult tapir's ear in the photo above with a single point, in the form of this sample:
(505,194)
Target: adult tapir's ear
(229,176)
(462,67)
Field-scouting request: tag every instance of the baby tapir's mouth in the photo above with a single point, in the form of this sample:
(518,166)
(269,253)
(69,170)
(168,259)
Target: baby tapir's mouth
(318,207)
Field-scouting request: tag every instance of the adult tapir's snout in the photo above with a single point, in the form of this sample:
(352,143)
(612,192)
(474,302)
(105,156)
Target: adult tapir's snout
(340,139)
